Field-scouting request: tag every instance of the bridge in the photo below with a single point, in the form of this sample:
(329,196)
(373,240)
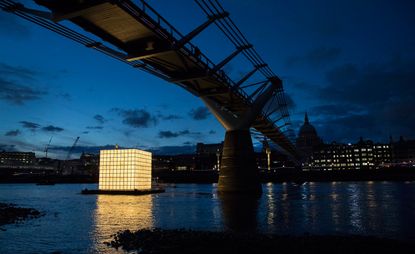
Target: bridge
(134,33)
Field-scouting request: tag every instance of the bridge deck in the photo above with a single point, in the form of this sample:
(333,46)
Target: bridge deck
(151,40)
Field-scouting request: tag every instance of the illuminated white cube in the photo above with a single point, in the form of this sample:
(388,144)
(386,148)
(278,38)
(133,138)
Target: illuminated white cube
(124,169)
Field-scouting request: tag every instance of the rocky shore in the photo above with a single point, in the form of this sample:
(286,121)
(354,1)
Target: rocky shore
(10,213)
(188,241)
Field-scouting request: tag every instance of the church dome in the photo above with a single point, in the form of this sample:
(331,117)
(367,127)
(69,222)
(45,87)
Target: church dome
(307,130)
(307,138)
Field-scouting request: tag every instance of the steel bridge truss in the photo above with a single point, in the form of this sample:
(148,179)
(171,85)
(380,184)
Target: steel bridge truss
(150,43)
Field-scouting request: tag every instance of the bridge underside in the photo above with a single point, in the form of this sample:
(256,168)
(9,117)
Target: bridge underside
(141,37)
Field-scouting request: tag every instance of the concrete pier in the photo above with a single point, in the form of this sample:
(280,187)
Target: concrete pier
(238,171)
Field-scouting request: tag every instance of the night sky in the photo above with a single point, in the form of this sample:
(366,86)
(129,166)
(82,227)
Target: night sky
(349,64)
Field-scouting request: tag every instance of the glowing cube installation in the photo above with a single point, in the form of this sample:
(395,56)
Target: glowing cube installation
(124,169)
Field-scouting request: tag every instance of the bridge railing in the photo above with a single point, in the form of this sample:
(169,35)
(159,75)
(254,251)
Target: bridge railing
(175,35)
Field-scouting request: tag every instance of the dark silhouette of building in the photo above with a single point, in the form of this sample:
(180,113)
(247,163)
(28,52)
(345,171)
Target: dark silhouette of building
(403,151)
(90,163)
(307,140)
(208,156)
(170,163)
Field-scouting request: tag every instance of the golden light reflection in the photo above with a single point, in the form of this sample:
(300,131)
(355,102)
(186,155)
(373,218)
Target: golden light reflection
(114,213)
(271,205)
(124,169)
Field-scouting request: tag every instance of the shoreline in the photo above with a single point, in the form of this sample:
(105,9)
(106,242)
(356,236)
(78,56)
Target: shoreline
(190,241)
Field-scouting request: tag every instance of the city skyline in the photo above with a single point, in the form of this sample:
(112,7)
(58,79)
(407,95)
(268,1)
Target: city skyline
(342,76)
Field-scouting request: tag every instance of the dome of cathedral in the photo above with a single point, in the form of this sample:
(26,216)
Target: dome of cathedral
(307,130)
(307,138)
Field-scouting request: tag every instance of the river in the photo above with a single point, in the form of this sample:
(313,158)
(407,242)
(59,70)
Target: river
(76,223)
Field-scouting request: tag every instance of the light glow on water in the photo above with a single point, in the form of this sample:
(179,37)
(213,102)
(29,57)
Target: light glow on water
(77,223)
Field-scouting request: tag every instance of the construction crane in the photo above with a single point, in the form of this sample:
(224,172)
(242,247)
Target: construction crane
(72,147)
(47,147)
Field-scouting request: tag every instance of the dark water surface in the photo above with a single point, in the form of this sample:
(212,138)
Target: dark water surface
(82,223)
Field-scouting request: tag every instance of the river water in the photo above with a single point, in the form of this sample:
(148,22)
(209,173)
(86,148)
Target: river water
(77,223)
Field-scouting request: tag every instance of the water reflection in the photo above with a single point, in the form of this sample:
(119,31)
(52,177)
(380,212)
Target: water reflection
(270,205)
(354,194)
(335,207)
(81,223)
(114,213)
(239,212)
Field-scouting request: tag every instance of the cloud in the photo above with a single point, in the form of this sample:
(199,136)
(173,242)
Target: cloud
(199,113)
(7,147)
(137,118)
(169,117)
(11,88)
(171,134)
(51,128)
(173,150)
(348,128)
(17,71)
(95,127)
(374,101)
(17,94)
(317,56)
(12,133)
(336,110)
(78,149)
(29,125)
(100,119)
(163,150)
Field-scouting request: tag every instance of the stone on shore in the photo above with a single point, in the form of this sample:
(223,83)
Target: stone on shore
(10,213)
(188,241)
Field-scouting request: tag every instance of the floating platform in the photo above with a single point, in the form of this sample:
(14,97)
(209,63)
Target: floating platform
(123,192)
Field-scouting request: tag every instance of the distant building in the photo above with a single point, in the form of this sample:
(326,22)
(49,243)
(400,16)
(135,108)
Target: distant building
(17,158)
(362,155)
(50,166)
(168,163)
(208,156)
(307,140)
(24,163)
(208,149)
(162,163)
(71,167)
(124,169)
(403,151)
(90,163)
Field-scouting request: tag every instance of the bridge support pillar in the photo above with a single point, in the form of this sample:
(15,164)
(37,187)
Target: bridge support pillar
(238,170)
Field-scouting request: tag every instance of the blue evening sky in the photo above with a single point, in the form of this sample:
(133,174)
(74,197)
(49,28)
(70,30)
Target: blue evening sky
(349,64)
